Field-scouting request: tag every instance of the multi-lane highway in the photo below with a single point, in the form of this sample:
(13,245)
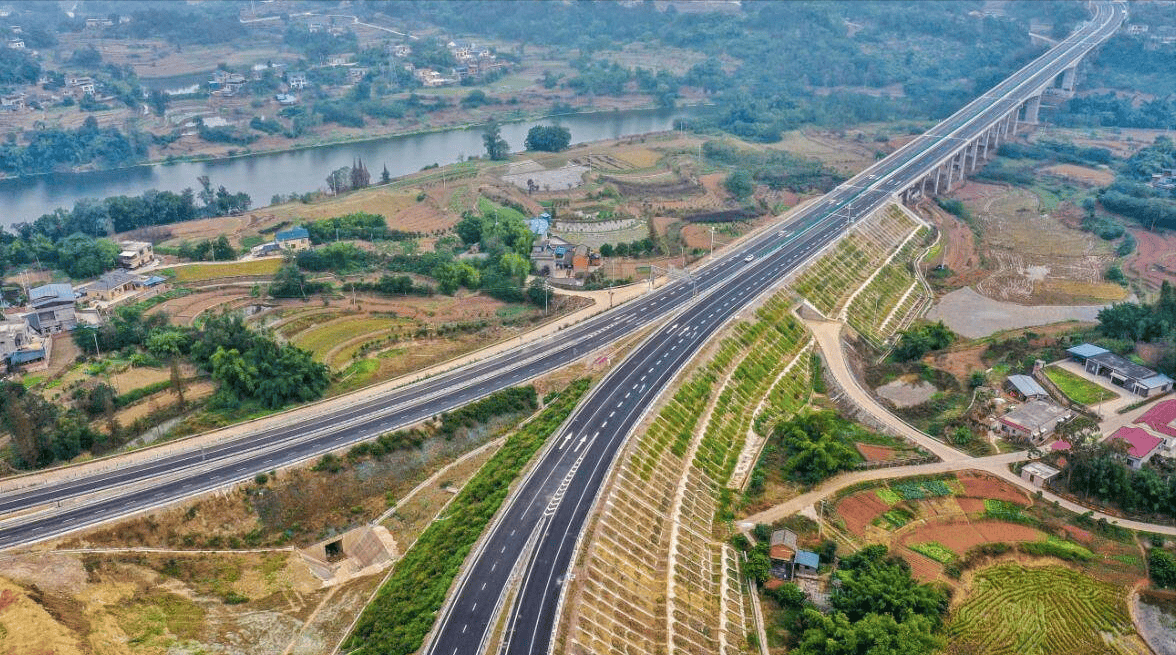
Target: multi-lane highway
(546,516)
(551,506)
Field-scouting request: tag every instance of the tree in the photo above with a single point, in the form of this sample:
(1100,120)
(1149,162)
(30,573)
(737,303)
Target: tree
(360,177)
(385,176)
(496,147)
(606,250)
(739,184)
(548,138)
(1162,567)
(469,228)
(339,180)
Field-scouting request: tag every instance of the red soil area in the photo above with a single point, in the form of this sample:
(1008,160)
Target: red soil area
(971,505)
(860,509)
(1078,534)
(959,537)
(979,485)
(1155,258)
(875,453)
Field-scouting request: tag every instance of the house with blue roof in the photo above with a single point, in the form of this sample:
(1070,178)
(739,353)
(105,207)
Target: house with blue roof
(293,239)
(53,308)
(1136,378)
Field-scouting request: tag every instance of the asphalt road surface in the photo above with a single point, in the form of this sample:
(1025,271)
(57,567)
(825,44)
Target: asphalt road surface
(550,508)
(546,516)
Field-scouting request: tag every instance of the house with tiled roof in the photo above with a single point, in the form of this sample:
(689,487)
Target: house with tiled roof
(1141,444)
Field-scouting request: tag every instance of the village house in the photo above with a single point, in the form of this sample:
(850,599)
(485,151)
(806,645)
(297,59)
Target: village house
(113,285)
(1139,380)
(135,254)
(1033,421)
(1141,444)
(399,50)
(1038,474)
(98,23)
(53,308)
(294,239)
(20,344)
(341,59)
(356,74)
(297,80)
(79,86)
(13,102)
(1025,387)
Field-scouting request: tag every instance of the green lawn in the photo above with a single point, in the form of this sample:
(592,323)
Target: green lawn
(1077,388)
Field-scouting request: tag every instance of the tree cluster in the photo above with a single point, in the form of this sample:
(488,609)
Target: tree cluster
(1152,322)
(56,149)
(548,138)
(877,608)
(1098,470)
(811,447)
(920,340)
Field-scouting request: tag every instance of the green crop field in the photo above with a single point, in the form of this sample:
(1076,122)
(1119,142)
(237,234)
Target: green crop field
(202,272)
(1078,389)
(935,551)
(320,340)
(1040,611)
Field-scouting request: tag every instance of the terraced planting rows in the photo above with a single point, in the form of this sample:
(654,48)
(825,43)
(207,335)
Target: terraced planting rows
(1013,609)
(830,282)
(893,297)
(654,576)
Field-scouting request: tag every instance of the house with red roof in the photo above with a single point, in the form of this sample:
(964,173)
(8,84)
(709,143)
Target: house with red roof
(1160,418)
(1141,444)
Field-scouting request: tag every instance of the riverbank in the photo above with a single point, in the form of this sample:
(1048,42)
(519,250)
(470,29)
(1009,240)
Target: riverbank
(304,168)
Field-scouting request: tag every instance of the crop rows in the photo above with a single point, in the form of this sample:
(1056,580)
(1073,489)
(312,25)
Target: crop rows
(828,282)
(883,306)
(654,577)
(1014,609)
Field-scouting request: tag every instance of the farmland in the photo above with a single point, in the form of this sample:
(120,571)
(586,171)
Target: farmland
(1077,388)
(1010,608)
(205,272)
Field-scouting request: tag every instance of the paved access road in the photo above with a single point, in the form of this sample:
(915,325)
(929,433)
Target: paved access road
(547,514)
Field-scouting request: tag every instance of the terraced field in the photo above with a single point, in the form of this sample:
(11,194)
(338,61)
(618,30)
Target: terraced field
(1017,610)
(843,280)
(656,569)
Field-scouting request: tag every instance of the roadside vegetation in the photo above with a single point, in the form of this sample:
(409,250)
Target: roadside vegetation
(403,611)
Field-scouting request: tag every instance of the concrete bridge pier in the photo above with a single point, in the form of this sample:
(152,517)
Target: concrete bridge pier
(1032,107)
(1068,78)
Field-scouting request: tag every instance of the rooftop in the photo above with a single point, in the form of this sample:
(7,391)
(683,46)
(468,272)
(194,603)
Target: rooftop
(1035,415)
(113,280)
(1160,417)
(1124,366)
(1140,441)
(51,292)
(1026,386)
(1087,350)
(291,234)
(1041,470)
(807,558)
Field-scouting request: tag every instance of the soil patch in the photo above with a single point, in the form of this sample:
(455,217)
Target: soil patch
(904,393)
(979,485)
(875,453)
(1081,174)
(1154,260)
(860,509)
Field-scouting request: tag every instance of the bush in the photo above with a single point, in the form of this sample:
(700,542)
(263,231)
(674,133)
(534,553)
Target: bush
(1161,566)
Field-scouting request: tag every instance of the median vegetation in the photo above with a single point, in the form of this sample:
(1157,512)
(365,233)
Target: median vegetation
(404,609)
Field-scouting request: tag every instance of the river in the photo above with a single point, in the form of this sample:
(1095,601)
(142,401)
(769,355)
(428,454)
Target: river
(300,171)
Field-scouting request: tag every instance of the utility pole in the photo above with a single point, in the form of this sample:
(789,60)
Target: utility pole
(712,245)
(96,349)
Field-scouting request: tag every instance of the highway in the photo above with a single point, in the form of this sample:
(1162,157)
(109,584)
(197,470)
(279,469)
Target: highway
(548,513)
(551,506)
